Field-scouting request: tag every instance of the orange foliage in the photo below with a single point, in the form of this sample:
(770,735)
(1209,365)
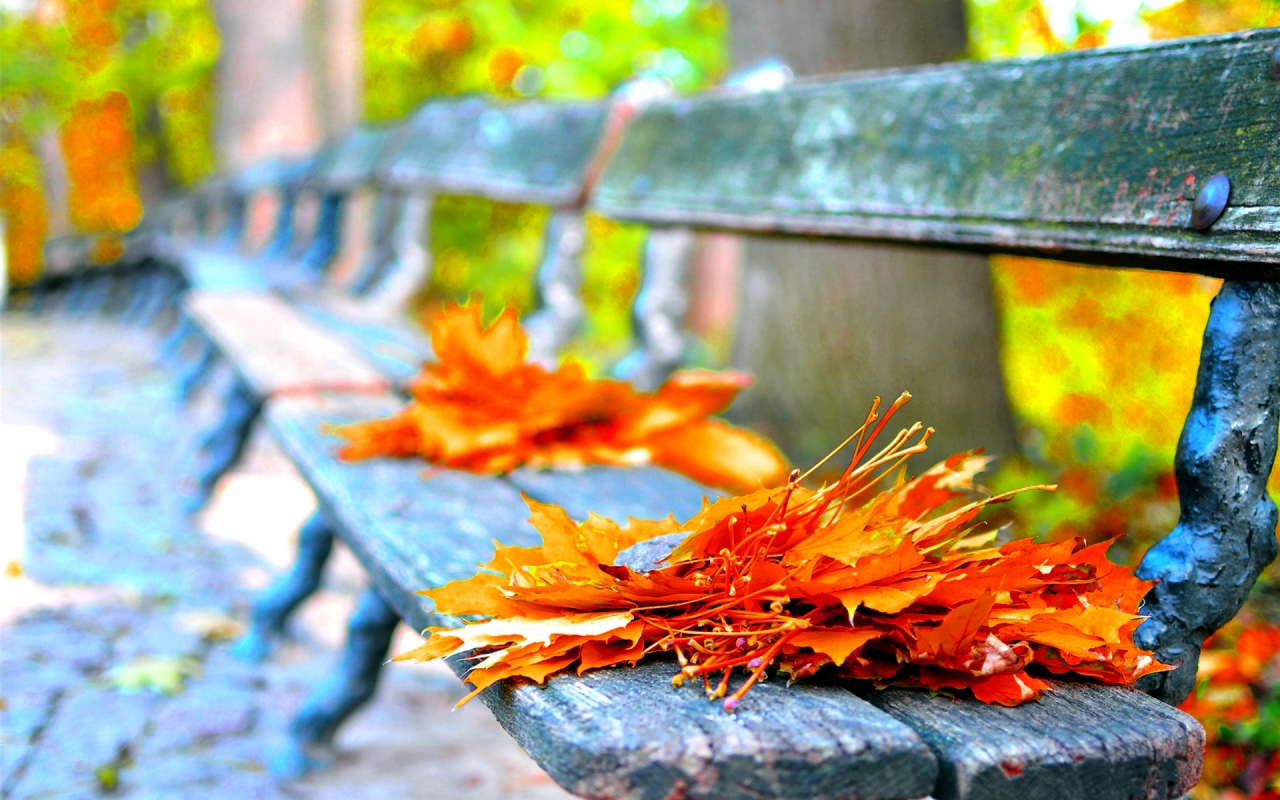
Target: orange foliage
(1235,699)
(98,142)
(442,35)
(1199,17)
(22,203)
(503,66)
(482,408)
(93,33)
(898,587)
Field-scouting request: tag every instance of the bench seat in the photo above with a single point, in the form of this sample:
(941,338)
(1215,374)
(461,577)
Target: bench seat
(275,349)
(626,733)
(387,340)
(210,267)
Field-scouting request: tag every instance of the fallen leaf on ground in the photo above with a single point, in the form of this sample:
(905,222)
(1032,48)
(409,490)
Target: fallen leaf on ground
(164,674)
(212,626)
(898,587)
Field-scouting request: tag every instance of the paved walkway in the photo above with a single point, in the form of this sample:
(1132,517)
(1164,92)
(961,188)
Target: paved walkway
(116,611)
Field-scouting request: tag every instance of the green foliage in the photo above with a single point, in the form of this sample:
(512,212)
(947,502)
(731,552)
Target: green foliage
(417,49)
(159,53)
(486,247)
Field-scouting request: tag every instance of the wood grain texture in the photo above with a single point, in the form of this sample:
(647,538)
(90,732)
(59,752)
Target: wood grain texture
(277,350)
(530,152)
(1078,742)
(626,733)
(410,533)
(641,492)
(1092,156)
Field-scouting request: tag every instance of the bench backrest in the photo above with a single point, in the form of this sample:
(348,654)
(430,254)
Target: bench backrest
(1093,156)
(524,152)
(1162,156)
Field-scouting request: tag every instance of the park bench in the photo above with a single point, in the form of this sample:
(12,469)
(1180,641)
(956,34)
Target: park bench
(220,274)
(1158,157)
(327,338)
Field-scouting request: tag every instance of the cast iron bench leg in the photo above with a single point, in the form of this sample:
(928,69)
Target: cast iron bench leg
(197,370)
(164,296)
(93,296)
(136,295)
(345,691)
(167,353)
(73,297)
(222,446)
(272,611)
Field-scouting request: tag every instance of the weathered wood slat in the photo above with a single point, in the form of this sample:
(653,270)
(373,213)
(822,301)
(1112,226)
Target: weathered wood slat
(1078,742)
(357,157)
(626,733)
(409,533)
(642,492)
(276,349)
(270,174)
(1092,156)
(612,733)
(393,345)
(531,152)
(213,268)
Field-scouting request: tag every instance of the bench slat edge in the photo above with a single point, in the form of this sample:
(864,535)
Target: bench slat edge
(1092,155)
(1077,742)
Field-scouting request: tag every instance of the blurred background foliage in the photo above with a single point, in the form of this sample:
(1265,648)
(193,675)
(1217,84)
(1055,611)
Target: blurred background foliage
(117,86)
(415,49)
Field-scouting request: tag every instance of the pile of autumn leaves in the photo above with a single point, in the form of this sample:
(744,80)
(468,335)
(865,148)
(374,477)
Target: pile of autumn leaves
(899,585)
(480,407)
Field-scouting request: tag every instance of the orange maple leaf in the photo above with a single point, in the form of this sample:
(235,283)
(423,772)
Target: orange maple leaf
(480,407)
(898,587)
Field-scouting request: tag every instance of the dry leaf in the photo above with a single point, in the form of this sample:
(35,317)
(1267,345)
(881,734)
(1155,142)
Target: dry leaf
(481,408)
(164,674)
(898,587)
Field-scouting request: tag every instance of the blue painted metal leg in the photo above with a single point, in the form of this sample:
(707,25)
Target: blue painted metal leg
(221,447)
(274,607)
(74,296)
(197,370)
(164,297)
(101,288)
(1206,566)
(167,354)
(349,688)
(135,295)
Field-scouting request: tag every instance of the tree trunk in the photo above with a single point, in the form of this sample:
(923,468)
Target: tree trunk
(826,326)
(271,80)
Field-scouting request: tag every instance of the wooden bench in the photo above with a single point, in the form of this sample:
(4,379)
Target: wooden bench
(528,152)
(1104,157)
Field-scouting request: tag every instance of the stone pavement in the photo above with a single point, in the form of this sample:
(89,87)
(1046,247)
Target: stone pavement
(117,611)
